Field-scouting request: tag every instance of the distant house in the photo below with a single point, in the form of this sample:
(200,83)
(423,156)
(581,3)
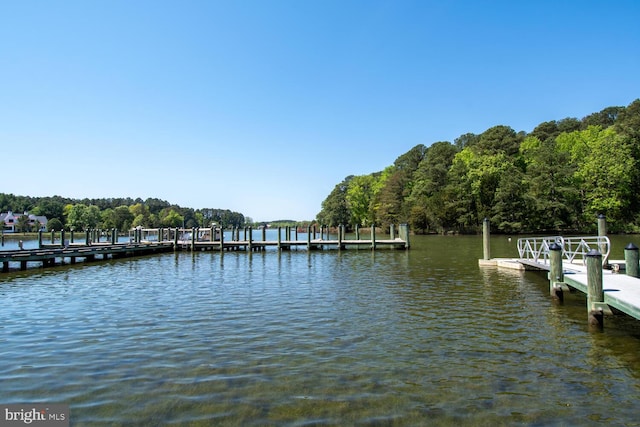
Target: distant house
(9,221)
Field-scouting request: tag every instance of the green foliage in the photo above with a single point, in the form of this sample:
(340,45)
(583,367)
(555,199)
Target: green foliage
(119,213)
(54,224)
(557,178)
(334,208)
(359,197)
(170,218)
(82,217)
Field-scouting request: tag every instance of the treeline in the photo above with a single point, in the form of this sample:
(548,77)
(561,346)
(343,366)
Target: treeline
(558,178)
(119,213)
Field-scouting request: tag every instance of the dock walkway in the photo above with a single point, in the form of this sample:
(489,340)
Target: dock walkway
(621,291)
(149,241)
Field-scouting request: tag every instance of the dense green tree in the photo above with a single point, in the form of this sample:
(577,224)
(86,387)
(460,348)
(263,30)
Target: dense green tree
(394,186)
(51,207)
(119,218)
(604,171)
(23,225)
(334,208)
(569,124)
(359,197)
(551,197)
(546,131)
(499,139)
(54,224)
(389,197)
(426,199)
(604,118)
(82,217)
(466,140)
(508,211)
(170,218)
(628,127)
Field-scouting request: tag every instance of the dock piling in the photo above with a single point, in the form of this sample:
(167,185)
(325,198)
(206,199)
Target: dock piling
(602,231)
(556,273)
(596,307)
(631,259)
(279,238)
(373,236)
(404,234)
(486,242)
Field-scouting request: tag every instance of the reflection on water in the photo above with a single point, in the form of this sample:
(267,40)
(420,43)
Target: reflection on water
(320,338)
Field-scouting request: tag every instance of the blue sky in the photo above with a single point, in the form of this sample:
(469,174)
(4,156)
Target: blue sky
(262,107)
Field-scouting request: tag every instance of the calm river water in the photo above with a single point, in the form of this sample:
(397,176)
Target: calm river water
(418,337)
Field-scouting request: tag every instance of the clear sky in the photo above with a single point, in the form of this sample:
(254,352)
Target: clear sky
(262,107)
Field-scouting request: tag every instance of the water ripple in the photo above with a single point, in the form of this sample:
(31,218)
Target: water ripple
(298,338)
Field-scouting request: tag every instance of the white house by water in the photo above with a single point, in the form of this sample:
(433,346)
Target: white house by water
(10,220)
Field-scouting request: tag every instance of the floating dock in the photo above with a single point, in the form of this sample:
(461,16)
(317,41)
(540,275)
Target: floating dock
(582,263)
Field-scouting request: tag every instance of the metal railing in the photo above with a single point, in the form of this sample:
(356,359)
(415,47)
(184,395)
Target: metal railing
(536,249)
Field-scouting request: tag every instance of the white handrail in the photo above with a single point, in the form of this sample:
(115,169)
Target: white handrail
(536,249)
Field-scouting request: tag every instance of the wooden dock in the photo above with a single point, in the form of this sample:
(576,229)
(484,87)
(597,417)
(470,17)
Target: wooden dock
(150,241)
(582,263)
(621,291)
(51,255)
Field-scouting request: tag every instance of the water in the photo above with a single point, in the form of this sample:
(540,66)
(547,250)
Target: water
(323,338)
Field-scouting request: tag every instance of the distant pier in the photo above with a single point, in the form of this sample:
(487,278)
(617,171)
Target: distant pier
(64,247)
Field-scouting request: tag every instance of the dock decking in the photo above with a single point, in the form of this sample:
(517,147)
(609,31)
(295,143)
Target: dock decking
(166,240)
(621,291)
(570,263)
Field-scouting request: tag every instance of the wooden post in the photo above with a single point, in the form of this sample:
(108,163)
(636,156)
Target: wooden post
(595,293)
(631,260)
(114,235)
(392,231)
(279,238)
(87,239)
(602,231)
(193,238)
(373,236)
(53,236)
(71,235)
(602,225)
(250,247)
(556,273)
(357,231)
(213,232)
(264,233)
(62,238)
(39,239)
(486,239)
(405,235)
(340,235)
(175,238)
(308,237)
